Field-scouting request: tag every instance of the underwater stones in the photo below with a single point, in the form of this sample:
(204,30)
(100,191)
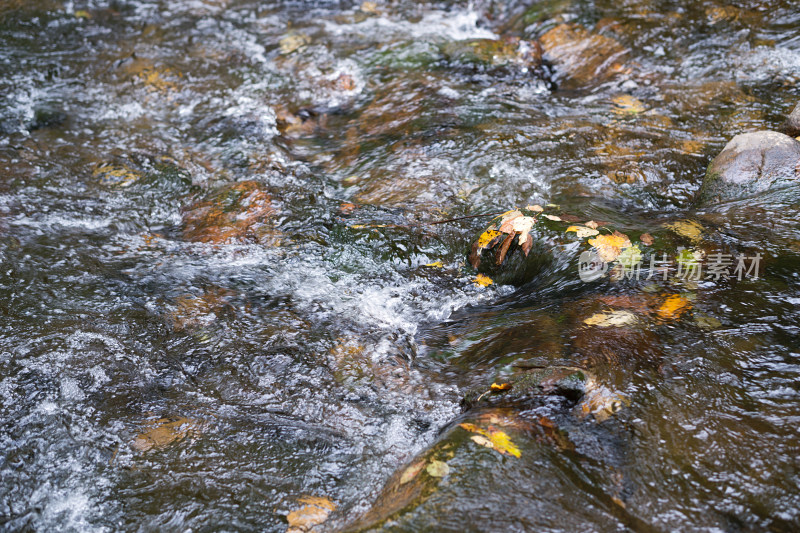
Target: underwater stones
(580,56)
(751,163)
(488,54)
(236,213)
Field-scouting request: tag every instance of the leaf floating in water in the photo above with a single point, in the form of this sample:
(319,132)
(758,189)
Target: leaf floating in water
(435,264)
(673,307)
(610,246)
(616,319)
(554,218)
(438,469)
(583,232)
(483,281)
(536,208)
(313,513)
(646,239)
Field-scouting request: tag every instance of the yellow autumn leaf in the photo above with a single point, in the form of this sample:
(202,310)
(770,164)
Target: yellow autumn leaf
(486,237)
(435,264)
(500,386)
(583,231)
(313,513)
(492,438)
(673,307)
(483,281)
(687,228)
(502,443)
(610,246)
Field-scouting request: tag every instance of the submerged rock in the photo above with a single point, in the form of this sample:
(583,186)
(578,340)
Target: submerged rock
(237,213)
(751,163)
(582,57)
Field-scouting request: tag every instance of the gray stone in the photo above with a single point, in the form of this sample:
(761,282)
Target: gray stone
(751,163)
(792,125)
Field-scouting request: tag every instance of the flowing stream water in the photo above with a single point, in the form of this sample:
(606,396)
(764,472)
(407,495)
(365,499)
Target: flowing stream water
(221,290)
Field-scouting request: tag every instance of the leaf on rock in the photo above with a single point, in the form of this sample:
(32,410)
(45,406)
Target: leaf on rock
(435,264)
(500,386)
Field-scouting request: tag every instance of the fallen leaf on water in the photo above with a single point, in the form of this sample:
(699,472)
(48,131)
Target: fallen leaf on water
(630,256)
(610,246)
(687,228)
(646,239)
(483,281)
(83,14)
(592,224)
(438,469)
(500,386)
(435,264)
(673,307)
(521,224)
(615,318)
(536,208)
(582,231)
(553,218)
(313,513)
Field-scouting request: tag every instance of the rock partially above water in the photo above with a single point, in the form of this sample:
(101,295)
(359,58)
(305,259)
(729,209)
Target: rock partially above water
(792,125)
(751,163)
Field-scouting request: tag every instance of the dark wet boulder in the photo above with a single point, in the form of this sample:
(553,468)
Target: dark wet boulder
(792,124)
(751,163)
